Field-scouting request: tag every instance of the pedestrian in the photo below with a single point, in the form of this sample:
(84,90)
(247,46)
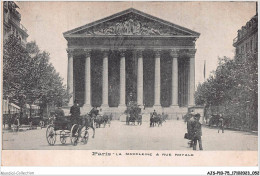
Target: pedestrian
(221,123)
(197,132)
(151,119)
(154,113)
(101,112)
(190,121)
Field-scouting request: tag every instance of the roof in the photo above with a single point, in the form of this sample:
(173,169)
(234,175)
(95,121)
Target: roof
(136,12)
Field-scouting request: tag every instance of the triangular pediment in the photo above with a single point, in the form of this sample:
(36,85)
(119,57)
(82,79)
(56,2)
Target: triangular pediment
(131,22)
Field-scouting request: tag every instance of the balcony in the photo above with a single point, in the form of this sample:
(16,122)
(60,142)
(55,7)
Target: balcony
(235,40)
(23,28)
(17,14)
(23,43)
(18,24)
(5,5)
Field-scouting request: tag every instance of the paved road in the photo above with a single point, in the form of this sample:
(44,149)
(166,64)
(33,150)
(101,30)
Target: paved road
(120,136)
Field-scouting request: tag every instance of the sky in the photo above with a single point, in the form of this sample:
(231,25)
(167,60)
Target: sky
(217,22)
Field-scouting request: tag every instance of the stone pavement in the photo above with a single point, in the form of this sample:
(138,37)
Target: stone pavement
(119,136)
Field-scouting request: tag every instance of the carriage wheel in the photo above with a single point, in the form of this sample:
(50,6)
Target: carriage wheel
(84,135)
(74,134)
(51,135)
(63,137)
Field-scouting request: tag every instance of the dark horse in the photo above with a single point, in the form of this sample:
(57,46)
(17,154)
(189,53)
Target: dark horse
(156,119)
(88,122)
(104,119)
(130,118)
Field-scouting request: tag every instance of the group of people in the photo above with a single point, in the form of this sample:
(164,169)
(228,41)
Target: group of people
(194,130)
(75,111)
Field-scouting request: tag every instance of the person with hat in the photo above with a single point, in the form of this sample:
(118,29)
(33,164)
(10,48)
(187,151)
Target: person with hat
(197,132)
(75,112)
(190,121)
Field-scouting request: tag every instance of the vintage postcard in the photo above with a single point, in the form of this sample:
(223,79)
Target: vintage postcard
(129,83)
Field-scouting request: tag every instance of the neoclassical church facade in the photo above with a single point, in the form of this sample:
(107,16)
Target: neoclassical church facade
(132,56)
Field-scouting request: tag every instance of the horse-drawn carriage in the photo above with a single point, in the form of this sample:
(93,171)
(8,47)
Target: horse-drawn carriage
(131,118)
(157,119)
(19,120)
(218,120)
(68,127)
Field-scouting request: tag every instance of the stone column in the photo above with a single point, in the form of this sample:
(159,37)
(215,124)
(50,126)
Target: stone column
(70,85)
(87,98)
(122,81)
(105,80)
(174,78)
(140,88)
(192,78)
(157,81)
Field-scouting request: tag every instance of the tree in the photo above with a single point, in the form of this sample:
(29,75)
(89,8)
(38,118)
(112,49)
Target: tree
(233,89)
(28,76)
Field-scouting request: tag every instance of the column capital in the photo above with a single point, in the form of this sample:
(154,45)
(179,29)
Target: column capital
(157,53)
(70,52)
(105,52)
(87,52)
(122,52)
(174,53)
(192,52)
(139,53)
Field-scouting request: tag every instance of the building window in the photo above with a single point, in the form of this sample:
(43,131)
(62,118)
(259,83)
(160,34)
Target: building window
(256,44)
(251,45)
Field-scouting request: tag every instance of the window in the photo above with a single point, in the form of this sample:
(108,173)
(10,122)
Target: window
(251,45)
(242,49)
(256,44)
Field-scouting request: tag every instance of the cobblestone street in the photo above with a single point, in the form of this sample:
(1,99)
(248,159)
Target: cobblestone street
(122,137)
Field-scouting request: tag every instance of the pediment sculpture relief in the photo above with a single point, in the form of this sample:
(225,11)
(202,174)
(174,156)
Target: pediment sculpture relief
(131,27)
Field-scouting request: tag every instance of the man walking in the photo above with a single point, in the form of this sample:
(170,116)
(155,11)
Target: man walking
(221,123)
(190,121)
(197,133)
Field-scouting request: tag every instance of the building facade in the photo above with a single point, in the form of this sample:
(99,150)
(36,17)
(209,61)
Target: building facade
(132,56)
(11,22)
(247,38)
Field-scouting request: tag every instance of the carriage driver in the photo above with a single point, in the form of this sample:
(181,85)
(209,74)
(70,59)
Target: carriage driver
(75,112)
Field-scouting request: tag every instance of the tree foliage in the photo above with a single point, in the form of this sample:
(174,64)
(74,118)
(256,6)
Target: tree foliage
(233,87)
(28,76)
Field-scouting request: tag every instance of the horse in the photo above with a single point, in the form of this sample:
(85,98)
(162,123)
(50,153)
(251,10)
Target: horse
(132,119)
(102,120)
(156,119)
(88,122)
